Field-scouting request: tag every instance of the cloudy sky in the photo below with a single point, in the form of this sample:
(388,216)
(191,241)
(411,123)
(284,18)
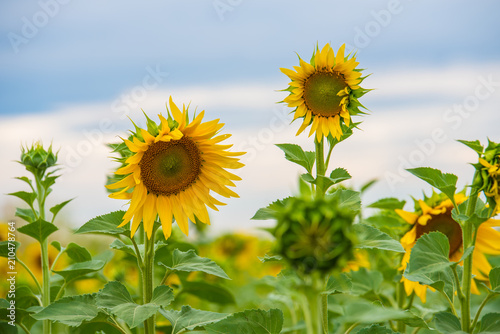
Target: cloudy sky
(72,71)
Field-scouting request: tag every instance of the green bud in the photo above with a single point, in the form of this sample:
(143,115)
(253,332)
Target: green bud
(36,159)
(315,234)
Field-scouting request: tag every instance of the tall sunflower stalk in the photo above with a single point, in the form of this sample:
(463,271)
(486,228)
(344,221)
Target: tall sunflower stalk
(168,172)
(324,94)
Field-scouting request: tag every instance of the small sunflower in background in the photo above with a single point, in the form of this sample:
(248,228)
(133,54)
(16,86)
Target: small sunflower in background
(172,170)
(490,175)
(325,91)
(434,214)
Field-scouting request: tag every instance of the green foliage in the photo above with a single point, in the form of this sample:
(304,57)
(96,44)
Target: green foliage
(188,318)
(78,269)
(56,208)
(474,145)
(27,214)
(495,279)
(7,247)
(71,311)
(365,281)
(249,321)
(447,323)
(296,154)
(28,197)
(445,182)
(479,215)
(370,237)
(209,292)
(375,329)
(490,323)
(39,229)
(339,283)
(188,261)
(389,203)
(105,224)
(78,253)
(269,212)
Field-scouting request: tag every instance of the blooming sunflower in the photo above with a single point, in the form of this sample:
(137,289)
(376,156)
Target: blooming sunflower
(172,169)
(437,217)
(325,91)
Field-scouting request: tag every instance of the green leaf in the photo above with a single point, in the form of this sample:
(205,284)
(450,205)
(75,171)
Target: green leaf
(349,199)
(430,254)
(7,247)
(39,229)
(56,208)
(375,329)
(490,324)
(339,175)
(369,313)
(26,214)
(129,249)
(188,318)
(367,185)
(339,283)
(308,178)
(78,253)
(475,145)
(29,198)
(442,181)
(296,154)
(56,244)
(209,292)
(370,237)
(479,216)
(115,298)
(269,211)
(495,279)
(415,321)
(446,322)
(188,261)
(271,258)
(364,281)
(389,203)
(79,269)
(105,224)
(249,321)
(71,311)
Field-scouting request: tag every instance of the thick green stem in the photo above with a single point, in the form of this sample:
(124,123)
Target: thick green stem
(148,279)
(320,168)
(401,298)
(324,312)
(314,310)
(468,241)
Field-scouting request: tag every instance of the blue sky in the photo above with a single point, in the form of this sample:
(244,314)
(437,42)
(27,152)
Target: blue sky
(67,66)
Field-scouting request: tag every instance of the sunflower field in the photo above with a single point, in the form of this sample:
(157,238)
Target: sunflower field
(329,263)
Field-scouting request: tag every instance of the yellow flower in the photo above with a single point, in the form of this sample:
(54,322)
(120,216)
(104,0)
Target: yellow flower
(493,188)
(360,261)
(32,257)
(325,91)
(173,168)
(438,218)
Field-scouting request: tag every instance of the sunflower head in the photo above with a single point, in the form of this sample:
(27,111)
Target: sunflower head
(325,92)
(489,166)
(314,234)
(434,214)
(36,159)
(171,170)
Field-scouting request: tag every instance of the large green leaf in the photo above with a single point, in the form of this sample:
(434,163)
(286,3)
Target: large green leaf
(129,248)
(370,237)
(209,292)
(447,323)
(9,248)
(495,279)
(189,261)
(116,299)
(430,254)
(249,321)
(79,269)
(106,224)
(490,324)
(29,198)
(445,182)
(475,145)
(369,313)
(78,253)
(188,318)
(26,214)
(296,154)
(349,199)
(39,229)
(389,203)
(269,211)
(364,281)
(71,311)
(339,283)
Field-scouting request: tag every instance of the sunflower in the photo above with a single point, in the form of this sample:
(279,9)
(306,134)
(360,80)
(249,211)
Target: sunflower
(172,169)
(491,173)
(437,217)
(325,92)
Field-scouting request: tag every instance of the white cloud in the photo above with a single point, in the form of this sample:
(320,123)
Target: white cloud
(390,138)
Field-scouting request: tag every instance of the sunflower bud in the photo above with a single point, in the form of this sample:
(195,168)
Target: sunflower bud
(315,234)
(36,159)
(489,167)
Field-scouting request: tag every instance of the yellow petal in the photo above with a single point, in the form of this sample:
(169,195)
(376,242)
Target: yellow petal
(409,217)
(340,55)
(165,212)
(149,214)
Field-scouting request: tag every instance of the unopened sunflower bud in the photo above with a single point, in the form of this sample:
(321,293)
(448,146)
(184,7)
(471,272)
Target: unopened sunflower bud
(489,166)
(315,234)
(36,159)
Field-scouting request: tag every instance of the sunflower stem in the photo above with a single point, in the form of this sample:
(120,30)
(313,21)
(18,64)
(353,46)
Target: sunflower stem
(468,241)
(148,284)
(320,167)
(324,309)
(31,274)
(401,297)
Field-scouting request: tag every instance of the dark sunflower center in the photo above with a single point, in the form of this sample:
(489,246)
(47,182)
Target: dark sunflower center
(320,93)
(170,167)
(445,224)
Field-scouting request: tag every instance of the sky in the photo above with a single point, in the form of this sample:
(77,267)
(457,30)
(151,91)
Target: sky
(72,71)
